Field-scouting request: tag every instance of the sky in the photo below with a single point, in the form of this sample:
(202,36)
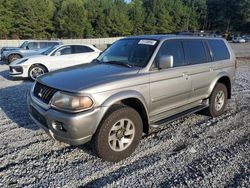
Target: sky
(127,1)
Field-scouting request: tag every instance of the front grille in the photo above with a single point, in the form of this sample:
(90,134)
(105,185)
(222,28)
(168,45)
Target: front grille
(38,116)
(44,93)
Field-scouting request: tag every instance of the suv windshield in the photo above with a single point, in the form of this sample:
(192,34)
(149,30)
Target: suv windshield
(24,44)
(129,52)
(48,51)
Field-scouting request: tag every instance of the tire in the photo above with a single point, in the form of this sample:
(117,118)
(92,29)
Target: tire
(114,142)
(217,100)
(13,57)
(35,71)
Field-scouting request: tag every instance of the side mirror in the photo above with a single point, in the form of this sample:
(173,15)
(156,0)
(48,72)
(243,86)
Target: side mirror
(57,53)
(166,61)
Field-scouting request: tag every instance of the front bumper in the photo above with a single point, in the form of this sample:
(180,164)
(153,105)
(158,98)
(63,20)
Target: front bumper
(15,71)
(2,58)
(19,71)
(75,128)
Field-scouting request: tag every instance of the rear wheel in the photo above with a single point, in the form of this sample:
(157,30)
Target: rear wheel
(218,100)
(35,71)
(13,57)
(119,134)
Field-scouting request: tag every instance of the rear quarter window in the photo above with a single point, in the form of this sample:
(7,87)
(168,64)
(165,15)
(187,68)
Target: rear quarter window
(81,49)
(219,49)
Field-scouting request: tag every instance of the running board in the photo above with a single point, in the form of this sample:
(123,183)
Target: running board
(178,116)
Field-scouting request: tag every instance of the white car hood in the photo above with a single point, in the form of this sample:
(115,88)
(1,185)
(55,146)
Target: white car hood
(29,59)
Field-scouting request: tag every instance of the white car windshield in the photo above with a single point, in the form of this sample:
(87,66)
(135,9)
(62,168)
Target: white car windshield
(51,49)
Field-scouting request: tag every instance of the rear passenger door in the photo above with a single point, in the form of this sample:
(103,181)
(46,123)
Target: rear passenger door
(83,54)
(200,67)
(169,88)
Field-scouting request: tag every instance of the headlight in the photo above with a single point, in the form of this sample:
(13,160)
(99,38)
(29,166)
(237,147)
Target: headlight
(21,61)
(71,103)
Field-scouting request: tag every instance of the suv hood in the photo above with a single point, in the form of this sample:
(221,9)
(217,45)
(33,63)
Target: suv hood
(10,48)
(77,78)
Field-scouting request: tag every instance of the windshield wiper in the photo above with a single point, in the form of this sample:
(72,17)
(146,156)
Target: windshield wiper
(119,63)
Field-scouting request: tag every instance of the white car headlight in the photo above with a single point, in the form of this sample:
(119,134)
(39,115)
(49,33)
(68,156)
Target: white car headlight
(71,103)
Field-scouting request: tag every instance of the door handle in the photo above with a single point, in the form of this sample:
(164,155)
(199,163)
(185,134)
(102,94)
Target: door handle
(185,75)
(211,69)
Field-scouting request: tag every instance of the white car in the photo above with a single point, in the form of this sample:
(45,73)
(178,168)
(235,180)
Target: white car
(57,57)
(238,40)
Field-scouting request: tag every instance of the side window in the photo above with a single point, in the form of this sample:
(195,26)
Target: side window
(174,48)
(50,44)
(219,49)
(66,50)
(43,45)
(32,45)
(195,51)
(81,49)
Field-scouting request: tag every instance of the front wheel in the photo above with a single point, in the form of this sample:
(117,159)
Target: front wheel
(35,71)
(218,100)
(119,134)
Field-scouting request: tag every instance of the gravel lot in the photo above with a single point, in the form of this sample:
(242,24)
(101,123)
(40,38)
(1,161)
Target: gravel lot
(197,151)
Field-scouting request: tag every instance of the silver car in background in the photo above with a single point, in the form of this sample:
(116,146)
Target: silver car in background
(28,48)
(137,83)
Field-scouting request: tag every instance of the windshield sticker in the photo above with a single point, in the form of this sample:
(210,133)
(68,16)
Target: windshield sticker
(147,42)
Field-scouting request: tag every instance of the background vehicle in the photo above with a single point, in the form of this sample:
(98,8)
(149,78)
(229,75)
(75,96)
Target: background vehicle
(246,37)
(137,83)
(4,49)
(54,58)
(28,48)
(238,40)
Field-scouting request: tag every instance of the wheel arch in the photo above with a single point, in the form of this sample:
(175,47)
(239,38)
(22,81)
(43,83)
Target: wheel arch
(12,53)
(223,78)
(132,99)
(40,64)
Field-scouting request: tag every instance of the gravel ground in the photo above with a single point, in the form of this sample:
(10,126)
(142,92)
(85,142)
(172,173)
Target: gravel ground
(197,151)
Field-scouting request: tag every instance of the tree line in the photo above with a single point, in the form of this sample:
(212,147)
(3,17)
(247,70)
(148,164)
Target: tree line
(110,18)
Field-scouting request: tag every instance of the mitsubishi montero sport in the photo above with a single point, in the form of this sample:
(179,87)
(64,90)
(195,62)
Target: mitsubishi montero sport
(137,83)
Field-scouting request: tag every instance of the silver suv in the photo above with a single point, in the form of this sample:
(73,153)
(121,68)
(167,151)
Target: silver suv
(137,83)
(27,48)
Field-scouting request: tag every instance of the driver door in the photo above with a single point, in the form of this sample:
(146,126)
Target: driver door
(170,88)
(62,58)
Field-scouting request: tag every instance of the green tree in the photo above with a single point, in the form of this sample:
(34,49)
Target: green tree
(179,13)
(33,19)
(158,19)
(137,16)
(73,20)
(234,15)
(117,19)
(6,18)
